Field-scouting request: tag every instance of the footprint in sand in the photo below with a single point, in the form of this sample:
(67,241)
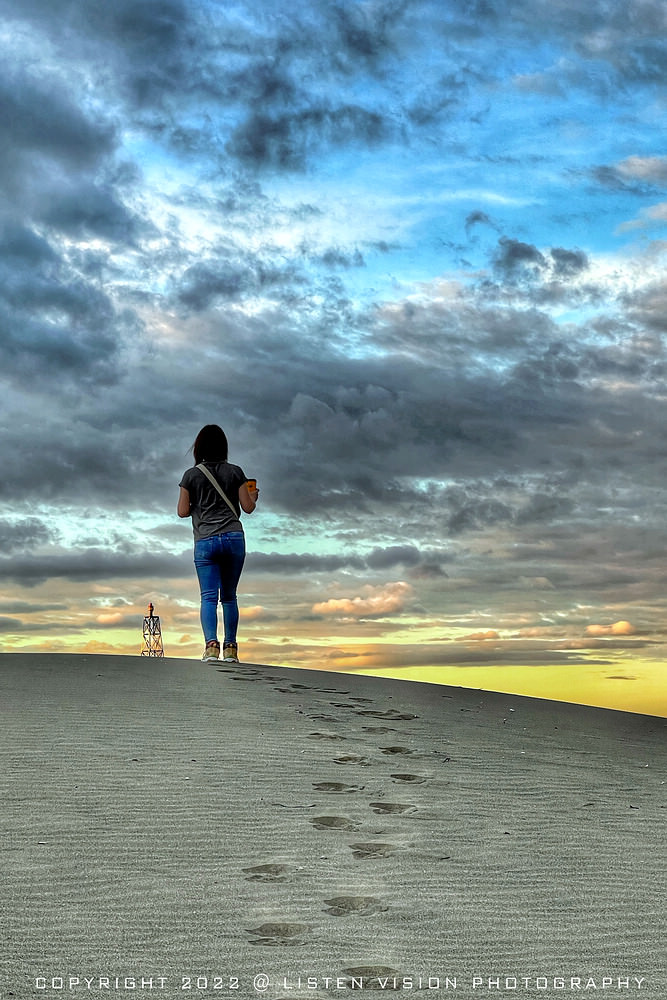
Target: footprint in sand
(362,906)
(378,730)
(392,714)
(393,808)
(266,873)
(374,977)
(394,751)
(352,758)
(325,736)
(373,850)
(336,787)
(334,823)
(415,779)
(279,934)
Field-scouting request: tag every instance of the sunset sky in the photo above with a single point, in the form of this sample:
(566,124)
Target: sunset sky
(411,256)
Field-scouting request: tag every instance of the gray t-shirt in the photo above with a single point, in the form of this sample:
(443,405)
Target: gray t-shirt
(210,514)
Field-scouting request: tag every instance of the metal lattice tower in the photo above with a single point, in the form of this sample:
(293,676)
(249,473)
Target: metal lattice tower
(152,635)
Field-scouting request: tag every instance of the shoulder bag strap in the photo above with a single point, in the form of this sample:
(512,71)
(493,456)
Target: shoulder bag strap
(202,468)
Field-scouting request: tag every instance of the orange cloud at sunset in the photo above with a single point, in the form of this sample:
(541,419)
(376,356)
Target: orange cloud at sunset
(252,613)
(110,618)
(375,602)
(618,628)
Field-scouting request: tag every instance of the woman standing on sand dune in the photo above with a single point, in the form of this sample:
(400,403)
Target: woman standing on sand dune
(213,493)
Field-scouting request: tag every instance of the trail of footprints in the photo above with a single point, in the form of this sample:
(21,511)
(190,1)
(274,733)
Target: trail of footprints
(289,934)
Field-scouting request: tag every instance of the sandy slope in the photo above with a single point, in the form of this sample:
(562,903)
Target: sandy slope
(197,827)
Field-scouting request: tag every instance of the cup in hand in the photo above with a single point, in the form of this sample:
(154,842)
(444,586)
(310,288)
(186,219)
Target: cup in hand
(252,488)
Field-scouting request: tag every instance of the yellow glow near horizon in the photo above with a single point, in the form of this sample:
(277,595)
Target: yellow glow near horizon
(638,686)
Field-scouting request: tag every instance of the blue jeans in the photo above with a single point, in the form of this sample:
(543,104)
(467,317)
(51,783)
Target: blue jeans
(219,561)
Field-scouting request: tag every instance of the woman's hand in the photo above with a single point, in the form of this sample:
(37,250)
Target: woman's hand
(248,498)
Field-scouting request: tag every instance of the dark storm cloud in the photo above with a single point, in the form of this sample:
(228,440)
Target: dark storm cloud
(393,555)
(13,625)
(545,507)
(287,140)
(470,325)
(76,458)
(53,324)
(55,321)
(623,42)
(568,263)
(379,558)
(93,564)
(144,48)
(23,246)
(435,104)
(275,562)
(40,119)
(515,257)
(294,87)
(232,277)
(89,209)
(367,33)
(475,514)
(648,308)
(50,150)
(26,607)
(282,119)
(551,276)
(335,257)
(18,535)
(204,282)
(155,41)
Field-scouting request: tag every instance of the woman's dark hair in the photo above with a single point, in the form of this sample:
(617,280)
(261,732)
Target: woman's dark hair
(210,445)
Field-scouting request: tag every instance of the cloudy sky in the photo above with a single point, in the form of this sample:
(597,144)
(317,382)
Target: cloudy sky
(410,255)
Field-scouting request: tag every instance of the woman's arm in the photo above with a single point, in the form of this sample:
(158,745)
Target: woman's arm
(183,503)
(248,498)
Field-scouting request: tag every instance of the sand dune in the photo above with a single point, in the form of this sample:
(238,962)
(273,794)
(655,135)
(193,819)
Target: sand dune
(173,828)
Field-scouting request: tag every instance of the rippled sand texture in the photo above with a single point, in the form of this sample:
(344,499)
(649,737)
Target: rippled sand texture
(168,818)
